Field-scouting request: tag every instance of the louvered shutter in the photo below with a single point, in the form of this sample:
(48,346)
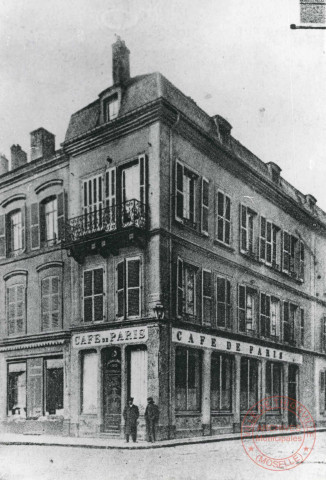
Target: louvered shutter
(121,289)
(20,309)
(206,297)
(243,228)
(88,296)
(143,178)
(262,243)
(35,226)
(11,310)
(179,191)
(62,214)
(180,288)
(204,205)
(3,235)
(55,307)
(23,231)
(98,294)
(34,387)
(133,287)
(45,303)
(242,308)
(110,217)
(322,393)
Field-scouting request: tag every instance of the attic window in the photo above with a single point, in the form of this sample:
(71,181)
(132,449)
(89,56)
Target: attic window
(111,107)
(274,171)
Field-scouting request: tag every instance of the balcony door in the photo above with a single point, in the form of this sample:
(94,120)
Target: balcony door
(130,183)
(111,367)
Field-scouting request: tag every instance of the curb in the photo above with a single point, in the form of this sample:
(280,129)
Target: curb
(151,446)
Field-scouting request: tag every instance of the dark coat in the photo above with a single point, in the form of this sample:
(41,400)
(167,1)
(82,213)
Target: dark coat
(130,414)
(151,412)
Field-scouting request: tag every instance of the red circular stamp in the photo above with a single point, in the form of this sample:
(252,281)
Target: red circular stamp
(278,446)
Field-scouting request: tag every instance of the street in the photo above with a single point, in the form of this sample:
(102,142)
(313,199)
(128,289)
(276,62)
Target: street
(221,460)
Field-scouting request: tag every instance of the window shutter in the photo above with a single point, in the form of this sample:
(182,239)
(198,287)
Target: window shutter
(242,308)
(204,205)
(180,289)
(45,301)
(23,232)
(206,296)
(322,393)
(243,228)
(143,178)
(35,226)
(62,214)
(269,242)
(179,192)
(110,199)
(121,289)
(262,243)
(11,302)
(2,235)
(20,308)
(133,287)
(34,387)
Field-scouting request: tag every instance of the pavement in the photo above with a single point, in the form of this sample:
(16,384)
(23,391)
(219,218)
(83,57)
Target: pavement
(119,444)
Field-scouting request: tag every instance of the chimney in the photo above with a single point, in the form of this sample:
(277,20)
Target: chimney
(4,164)
(42,144)
(18,157)
(120,62)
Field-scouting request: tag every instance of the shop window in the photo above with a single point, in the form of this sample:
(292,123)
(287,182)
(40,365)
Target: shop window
(17,389)
(50,303)
(269,243)
(223,225)
(16,309)
(302,327)
(273,379)
(186,294)
(289,313)
(93,295)
(322,392)
(129,288)
(54,386)
(89,382)
(247,237)
(223,303)
(248,384)
(247,309)
(204,205)
(185,195)
(187,379)
(138,376)
(265,315)
(275,318)
(207,296)
(221,383)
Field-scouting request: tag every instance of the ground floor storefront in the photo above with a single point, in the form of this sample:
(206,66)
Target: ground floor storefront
(203,384)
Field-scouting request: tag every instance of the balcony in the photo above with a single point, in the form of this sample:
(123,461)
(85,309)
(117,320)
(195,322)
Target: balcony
(106,230)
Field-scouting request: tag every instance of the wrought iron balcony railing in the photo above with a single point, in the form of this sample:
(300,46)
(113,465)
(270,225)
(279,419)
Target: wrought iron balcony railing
(131,213)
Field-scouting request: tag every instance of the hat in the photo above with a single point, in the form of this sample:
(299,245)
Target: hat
(131,399)
(150,399)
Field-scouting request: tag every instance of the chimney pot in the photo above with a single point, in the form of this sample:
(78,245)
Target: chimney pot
(42,144)
(120,62)
(4,164)
(18,157)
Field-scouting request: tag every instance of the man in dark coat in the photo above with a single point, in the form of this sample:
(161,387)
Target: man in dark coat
(151,417)
(131,414)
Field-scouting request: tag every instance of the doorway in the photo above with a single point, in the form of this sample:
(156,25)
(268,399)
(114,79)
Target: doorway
(292,392)
(111,367)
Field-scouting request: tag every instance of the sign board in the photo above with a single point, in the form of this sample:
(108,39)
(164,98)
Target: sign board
(110,337)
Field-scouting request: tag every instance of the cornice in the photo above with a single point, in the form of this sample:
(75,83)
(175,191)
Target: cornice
(48,184)
(12,198)
(54,264)
(34,341)
(13,273)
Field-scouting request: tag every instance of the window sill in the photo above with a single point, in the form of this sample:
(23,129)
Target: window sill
(218,413)
(191,226)
(224,245)
(250,256)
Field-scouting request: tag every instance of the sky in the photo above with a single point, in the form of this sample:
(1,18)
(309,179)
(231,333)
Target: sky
(235,58)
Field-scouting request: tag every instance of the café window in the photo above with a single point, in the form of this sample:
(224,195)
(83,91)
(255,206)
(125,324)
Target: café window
(248,383)
(94,295)
(273,379)
(186,294)
(187,379)
(223,303)
(221,383)
(89,382)
(129,288)
(223,225)
(247,309)
(54,386)
(185,195)
(17,389)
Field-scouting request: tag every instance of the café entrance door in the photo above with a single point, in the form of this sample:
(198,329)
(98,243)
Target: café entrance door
(111,368)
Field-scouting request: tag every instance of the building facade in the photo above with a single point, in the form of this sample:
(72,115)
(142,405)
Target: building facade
(154,255)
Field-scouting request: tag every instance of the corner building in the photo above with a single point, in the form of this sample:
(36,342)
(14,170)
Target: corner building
(154,255)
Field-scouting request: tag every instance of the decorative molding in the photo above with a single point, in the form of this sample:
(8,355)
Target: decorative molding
(48,184)
(13,198)
(48,343)
(14,273)
(44,266)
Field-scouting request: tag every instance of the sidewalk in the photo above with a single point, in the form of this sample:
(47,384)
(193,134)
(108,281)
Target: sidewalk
(111,443)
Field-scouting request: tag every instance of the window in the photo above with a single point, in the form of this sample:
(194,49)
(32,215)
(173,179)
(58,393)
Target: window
(293,255)
(16,232)
(186,296)
(129,288)
(247,311)
(54,386)
(269,244)
(275,317)
(185,195)
(301,260)
(93,295)
(322,392)
(265,315)
(223,225)
(16,309)
(273,379)
(17,389)
(89,382)
(50,303)
(93,203)
(223,303)
(221,383)
(302,331)
(187,379)
(47,221)
(204,206)
(50,220)
(111,107)
(248,383)
(207,297)
(289,312)
(247,230)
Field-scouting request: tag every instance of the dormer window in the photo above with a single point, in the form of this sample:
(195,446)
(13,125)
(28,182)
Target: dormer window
(111,107)
(274,171)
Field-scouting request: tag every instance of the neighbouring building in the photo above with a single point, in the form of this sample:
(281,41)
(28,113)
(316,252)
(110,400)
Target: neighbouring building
(154,255)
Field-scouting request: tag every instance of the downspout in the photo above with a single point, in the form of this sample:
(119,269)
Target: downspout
(170,264)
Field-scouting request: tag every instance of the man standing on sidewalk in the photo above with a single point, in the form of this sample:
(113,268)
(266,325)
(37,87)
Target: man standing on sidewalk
(131,414)
(151,417)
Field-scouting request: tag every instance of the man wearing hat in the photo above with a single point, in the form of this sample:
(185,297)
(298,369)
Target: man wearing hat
(131,414)
(151,417)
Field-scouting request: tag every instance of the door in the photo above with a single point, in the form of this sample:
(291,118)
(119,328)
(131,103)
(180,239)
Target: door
(292,392)
(111,365)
